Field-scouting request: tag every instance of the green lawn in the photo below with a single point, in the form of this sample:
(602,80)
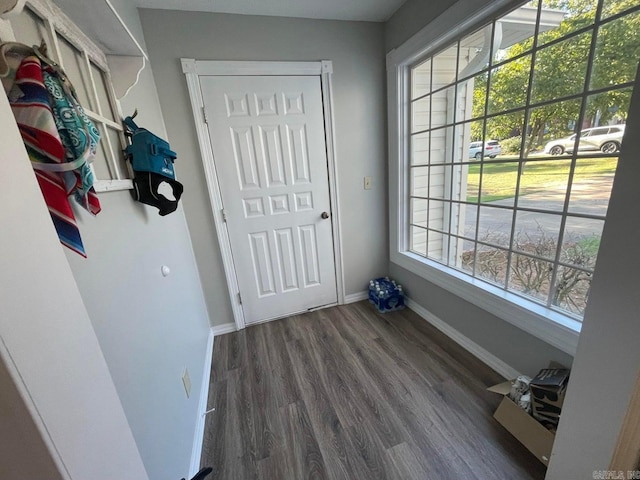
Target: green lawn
(499,179)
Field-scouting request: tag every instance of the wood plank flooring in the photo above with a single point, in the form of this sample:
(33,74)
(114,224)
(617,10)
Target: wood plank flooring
(347,393)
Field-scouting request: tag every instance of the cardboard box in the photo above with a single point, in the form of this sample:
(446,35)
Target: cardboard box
(547,395)
(529,432)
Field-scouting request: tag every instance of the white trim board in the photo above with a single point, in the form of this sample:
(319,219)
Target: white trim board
(224,328)
(356,297)
(476,350)
(192,70)
(196,451)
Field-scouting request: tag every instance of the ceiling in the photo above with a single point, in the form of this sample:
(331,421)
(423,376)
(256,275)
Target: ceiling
(364,10)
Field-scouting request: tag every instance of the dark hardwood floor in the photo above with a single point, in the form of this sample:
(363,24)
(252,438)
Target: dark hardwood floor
(347,393)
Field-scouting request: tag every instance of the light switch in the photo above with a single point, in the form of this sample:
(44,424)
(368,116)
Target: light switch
(367,183)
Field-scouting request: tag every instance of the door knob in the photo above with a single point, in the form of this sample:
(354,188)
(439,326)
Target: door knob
(324,215)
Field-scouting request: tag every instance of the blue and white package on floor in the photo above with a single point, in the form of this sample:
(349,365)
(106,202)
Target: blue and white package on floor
(386,294)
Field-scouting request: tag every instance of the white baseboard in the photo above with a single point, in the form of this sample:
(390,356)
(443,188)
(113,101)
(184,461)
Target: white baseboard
(356,297)
(224,328)
(198,438)
(483,355)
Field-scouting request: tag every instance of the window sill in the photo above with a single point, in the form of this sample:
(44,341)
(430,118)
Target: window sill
(550,326)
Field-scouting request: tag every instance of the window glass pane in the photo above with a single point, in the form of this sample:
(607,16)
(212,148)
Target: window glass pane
(458,219)
(572,290)
(442,107)
(473,182)
(617,43)
(591,187)
(551,127)
(560,17)
(101,90)
(101,165)
(420,181)
(494,226)
(439,215)
(418,240)
(444,67)
(530,276)
(537,234)
(438,182)
(116,145)
(491,264)
(581,242)
(421,79)
(474,52)
(438,246)
(456,245)
(420,112)
(76,70)
(460,140)
(502,138)
(543,185)
(473,98)
(514,32)
(419,212)
(560,69)
(438,152)
(477,136)
(467,259)
(462,143)
(508,85)
(613,7)
(469,220)
(499,183)
(28,28)
(420,149)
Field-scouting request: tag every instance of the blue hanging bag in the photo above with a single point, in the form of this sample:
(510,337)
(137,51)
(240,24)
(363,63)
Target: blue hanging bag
(152,161)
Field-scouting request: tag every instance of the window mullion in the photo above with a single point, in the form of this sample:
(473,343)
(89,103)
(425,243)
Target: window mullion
(94,89)
(55,53)
(452,129)
(111,159)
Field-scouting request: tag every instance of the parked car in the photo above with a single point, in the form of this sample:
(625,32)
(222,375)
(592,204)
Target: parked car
(606,139)
(491,149)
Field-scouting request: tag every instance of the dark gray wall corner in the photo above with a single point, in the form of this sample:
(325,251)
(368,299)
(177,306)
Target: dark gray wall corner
(410,18)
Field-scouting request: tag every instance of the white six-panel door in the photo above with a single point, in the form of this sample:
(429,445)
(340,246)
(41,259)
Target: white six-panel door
(268,141)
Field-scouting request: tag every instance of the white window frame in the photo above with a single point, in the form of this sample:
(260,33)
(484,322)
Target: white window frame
(556,329)
(56,24)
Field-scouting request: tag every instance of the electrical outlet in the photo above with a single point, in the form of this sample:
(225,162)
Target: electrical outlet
(186,380)
(367,183)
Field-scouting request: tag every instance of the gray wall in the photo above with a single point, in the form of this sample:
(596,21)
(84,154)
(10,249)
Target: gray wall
(23,453)
(524,352)
(410,18)
(47,342)
(356,49)
(149,327)
(510,344)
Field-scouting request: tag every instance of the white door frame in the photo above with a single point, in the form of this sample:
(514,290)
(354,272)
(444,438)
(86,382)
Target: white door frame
(193,69)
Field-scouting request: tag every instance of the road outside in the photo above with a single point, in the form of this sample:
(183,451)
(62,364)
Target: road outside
(587,197)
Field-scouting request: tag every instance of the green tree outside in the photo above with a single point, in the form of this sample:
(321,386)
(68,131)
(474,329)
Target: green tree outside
(559,72)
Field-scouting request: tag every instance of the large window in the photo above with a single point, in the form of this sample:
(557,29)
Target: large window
(86,66)
(509,138)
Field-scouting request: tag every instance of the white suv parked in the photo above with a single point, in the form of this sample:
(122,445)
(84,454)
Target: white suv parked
(606,139)
(492,149)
